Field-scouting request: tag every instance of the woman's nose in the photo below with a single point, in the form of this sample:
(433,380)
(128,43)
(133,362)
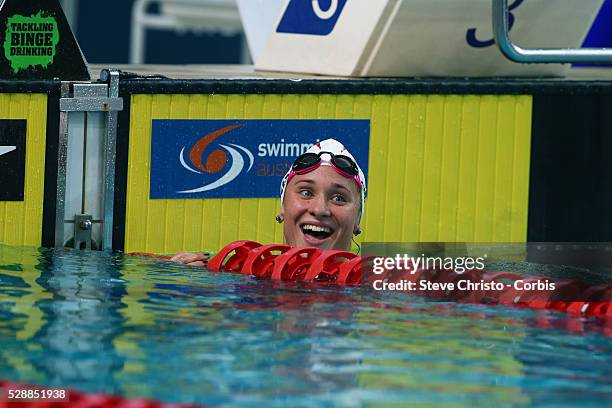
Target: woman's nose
(319,206)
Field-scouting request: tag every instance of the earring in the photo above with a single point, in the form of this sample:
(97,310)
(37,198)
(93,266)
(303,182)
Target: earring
(357,231)
(279,219)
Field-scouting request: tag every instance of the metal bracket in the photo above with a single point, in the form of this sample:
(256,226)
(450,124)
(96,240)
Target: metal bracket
(87,97)
(91,98)
(82,230)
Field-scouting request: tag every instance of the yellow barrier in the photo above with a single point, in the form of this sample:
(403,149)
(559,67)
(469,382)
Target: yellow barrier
(442,168)
(21,221)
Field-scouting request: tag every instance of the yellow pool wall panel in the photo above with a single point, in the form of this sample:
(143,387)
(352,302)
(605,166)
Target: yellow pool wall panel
(441,168)
(21,221)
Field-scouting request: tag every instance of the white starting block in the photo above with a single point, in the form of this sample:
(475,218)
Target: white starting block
(408,37)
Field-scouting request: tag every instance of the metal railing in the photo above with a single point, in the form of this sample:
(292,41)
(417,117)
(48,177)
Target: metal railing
(213,16)
(540,55)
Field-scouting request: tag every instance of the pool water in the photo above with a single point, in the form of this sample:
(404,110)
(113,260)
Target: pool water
(140,327)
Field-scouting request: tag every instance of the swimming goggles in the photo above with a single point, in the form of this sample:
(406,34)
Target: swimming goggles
(343,165)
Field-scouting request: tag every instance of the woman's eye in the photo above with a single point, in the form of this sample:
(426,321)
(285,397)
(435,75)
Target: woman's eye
(305,193)
(339,198)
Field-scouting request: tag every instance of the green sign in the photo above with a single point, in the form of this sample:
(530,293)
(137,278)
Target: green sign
(30,41)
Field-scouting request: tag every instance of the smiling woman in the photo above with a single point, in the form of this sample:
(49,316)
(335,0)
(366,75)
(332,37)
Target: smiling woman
(322,198)
(322,201)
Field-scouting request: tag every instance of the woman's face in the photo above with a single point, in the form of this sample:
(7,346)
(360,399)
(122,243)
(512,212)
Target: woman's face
(321,209)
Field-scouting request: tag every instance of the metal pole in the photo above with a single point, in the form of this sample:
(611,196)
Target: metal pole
(62,160)
(110,142)
(138,34)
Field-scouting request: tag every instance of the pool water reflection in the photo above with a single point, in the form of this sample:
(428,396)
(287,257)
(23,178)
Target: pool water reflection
(141,327)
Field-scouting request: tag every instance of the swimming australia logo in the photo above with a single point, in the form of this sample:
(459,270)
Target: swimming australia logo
(313,17)
(236,157)
(194,160)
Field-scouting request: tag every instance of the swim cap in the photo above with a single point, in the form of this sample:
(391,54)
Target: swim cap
(336,148)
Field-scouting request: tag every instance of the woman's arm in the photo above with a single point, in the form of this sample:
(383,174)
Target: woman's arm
(192,259)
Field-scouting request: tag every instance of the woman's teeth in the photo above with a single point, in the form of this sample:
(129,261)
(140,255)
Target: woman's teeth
(316,231)
(316,228)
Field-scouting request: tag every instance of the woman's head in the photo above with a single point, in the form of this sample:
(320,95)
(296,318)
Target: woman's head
(323,197)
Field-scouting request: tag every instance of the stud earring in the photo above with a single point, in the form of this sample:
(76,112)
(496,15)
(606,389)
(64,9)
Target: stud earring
(357,231)
(279,219)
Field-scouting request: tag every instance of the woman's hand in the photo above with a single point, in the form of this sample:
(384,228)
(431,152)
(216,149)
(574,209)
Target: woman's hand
(191,259)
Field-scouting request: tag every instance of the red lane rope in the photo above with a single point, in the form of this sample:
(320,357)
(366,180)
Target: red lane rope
(293,264)
(306,264)
(15,395)
(260,261)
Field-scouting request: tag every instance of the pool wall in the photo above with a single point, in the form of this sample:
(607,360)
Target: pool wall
(470,160)
(442,168)
(451,159)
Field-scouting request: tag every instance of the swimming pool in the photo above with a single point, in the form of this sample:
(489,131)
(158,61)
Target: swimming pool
(139,327)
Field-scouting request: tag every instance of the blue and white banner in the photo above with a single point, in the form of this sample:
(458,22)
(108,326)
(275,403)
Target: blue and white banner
(240,158)
(451,38)
(310,17)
